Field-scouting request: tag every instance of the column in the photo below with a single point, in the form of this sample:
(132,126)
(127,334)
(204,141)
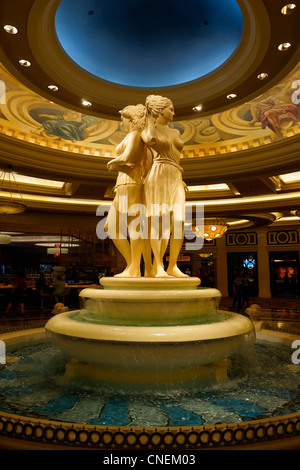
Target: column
(263,266)
(221,274)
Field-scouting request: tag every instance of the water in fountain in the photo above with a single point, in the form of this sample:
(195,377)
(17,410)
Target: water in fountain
(33,383)
(149,330)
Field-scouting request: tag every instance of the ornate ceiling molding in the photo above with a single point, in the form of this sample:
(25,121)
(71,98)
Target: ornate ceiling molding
(266,160)
(264,28)
(208,163)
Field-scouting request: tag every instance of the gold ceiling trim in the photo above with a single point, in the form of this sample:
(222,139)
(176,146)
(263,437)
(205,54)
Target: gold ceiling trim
(257,52)
(28,117)
(222,206)
(269,160)
(238,144)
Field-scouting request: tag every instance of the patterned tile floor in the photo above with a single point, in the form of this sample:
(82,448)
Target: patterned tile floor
(28,384)
(33,383)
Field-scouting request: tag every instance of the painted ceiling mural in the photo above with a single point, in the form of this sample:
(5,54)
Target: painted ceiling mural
(29,117)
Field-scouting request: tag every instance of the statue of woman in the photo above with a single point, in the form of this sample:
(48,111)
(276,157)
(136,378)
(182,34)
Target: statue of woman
(164,187)
(133,160)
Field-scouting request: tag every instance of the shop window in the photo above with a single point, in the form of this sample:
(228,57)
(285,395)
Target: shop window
(284,273)
(242,264)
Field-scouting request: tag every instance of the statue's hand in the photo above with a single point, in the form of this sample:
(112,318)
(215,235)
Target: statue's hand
(110,165)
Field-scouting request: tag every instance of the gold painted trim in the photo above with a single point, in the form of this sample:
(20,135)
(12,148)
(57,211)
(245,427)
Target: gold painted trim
(266,160)
(281,433)
(21,432)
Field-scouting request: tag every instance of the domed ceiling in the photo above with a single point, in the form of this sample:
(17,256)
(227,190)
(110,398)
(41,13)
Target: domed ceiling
(111,54)
(149,43)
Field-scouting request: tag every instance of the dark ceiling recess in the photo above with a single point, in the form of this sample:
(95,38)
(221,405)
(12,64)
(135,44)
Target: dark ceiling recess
(146,43)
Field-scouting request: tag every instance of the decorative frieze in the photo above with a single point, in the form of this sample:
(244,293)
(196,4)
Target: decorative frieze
(241,238)
(283,237)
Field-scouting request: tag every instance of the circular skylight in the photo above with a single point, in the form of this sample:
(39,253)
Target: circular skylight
(149,43)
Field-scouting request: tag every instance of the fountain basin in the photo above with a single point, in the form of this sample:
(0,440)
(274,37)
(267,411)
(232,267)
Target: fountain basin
(155,300)
(150,354)
(150,330)
(21,428)
(75,324)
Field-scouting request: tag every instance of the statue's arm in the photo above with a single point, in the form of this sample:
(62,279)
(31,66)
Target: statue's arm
(149,134)
(131,154)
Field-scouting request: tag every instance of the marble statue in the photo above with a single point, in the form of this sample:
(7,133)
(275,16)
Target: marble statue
(132,161)
(164,188)
(159,328)
(148,161)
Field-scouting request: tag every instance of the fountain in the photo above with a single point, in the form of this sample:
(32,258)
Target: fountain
(159,327)
(160,338)
(150,330)
(155,330)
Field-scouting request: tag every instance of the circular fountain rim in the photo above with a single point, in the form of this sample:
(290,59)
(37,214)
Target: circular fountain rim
(152,282)
(234,325)
(22,432)
(149,294)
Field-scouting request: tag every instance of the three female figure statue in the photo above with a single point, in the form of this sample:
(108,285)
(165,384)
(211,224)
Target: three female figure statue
(148,160)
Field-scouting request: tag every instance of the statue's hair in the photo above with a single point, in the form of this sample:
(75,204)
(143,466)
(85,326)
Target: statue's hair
(136,114)
(155,104)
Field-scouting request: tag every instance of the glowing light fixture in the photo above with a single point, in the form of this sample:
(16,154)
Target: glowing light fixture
(53,87)
(9,208)
(211,229)
(288,9)
(35,181)
(9,205)
(290,177)
(40,239)
(197,108)
(57,251)
(231,96)
(25,63)
(86,103)
(63,245)
(205,255)
(262,76)
(208,187)
(284,46)
(10,29)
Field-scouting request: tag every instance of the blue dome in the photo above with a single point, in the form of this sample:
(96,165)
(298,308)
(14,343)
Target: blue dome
(149,43)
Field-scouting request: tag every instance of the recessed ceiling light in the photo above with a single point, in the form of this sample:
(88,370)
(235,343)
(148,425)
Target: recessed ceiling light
(262,76)
(288,9)
(284,46)
(53,87)
(197,108)
(10,29)
(86,103)
(24,63)
(231,96)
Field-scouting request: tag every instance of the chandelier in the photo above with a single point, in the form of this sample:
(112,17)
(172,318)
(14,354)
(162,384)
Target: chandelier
(9,205)
(211,229)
